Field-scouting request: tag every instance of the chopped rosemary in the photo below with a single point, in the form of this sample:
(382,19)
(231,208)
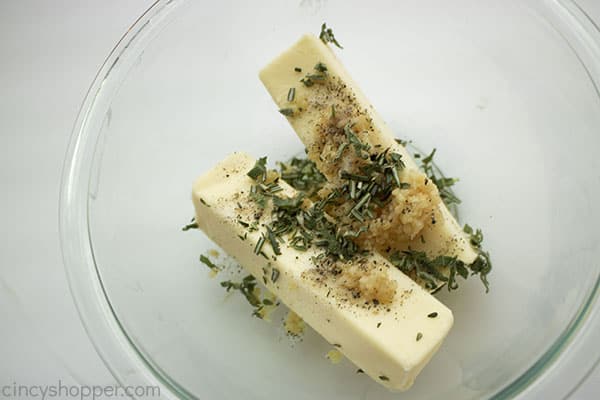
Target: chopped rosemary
(327,36)
(246,287)
(288,112)
(321,67)
(274,275)
(204,202)
(443,184)
(291,94)
(430,270)
(273,241)
(206,261)
(259,171)
(259,245)
(310,79)
(191,225)
(307,82)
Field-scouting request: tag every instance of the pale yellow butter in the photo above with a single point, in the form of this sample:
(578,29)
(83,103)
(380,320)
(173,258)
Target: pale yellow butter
(382,343)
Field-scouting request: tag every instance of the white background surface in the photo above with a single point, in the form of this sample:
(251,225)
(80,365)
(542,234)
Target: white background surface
(49,54)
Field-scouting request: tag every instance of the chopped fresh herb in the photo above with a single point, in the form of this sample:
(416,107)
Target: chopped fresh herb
(273,241)
(340,150)
(402,142)
(258,196)
(378,324)
(430,272)
(246,287)
(360,371)
(419,336)
(259,171)
(307,82)
(259,244)
(191,225)
(242,223)
(321,67)
(327,36)
(274,275)
(339,346)
(333,111)
(302,175)
(288,112)
(384,378)
(291,95)
(288,203)
(443,184)
(359,146)
(432,315)
(267,302)
(297,69)
(206,261)
(204,202)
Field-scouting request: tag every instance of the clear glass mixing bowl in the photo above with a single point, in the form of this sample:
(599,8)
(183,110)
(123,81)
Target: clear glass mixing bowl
(508,93)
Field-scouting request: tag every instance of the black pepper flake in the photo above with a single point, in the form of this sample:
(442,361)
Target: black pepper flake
(432,315)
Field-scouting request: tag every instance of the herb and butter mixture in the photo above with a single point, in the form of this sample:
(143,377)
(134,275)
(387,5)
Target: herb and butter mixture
(352,238)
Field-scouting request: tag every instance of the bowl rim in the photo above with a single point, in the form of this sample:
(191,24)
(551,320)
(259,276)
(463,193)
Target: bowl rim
(131,367)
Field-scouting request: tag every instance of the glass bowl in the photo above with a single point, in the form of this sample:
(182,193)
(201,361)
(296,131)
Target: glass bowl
(506,91)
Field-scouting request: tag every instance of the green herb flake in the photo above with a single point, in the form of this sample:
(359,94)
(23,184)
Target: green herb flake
(291,95)
(327,36)
(259,245)
(321,67)
(288,112)
(274,275)
(206,261)
(419,336)
(273,241)
(432,315)
(204,202)
(297,69)
(191,225)
(384,378)
(307,82)
(259,171)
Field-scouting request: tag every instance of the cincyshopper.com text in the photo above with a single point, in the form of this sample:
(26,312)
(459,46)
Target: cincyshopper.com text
(81,392)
